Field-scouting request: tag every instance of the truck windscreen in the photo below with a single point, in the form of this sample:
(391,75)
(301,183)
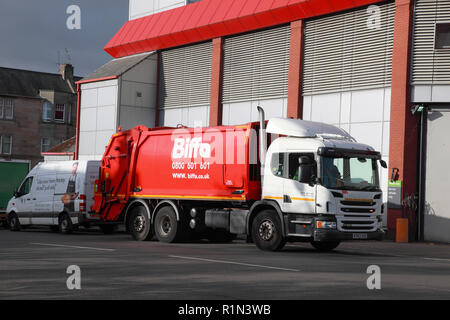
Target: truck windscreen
(351,173)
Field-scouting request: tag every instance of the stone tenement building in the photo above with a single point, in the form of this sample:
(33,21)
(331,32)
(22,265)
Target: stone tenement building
(37,112)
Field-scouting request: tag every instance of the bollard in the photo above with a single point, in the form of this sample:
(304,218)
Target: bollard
(401,234)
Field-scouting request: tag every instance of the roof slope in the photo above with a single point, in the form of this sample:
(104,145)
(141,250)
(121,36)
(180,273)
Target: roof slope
(26,83)
(64,147)
(116,67)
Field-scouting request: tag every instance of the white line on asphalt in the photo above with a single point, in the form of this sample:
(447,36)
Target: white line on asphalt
(73,247)
(237,263)
(437,259)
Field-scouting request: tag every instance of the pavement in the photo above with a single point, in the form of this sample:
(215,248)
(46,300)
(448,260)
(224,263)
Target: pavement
(34,264)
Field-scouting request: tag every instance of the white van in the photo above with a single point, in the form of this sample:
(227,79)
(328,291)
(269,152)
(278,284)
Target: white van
(56,194)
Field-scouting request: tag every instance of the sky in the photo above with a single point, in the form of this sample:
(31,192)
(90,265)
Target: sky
(32,32)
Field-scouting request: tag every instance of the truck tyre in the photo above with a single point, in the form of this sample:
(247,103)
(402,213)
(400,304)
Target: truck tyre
(108,228)
(325,246)
(167,228)
(266,231)
(139,224)
(65,224)
(14,224)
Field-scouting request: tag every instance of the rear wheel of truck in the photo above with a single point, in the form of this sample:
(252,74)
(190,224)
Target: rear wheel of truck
(65,224)
(266,231)
(139,224)
(325,246)
(167,228)
(14,224)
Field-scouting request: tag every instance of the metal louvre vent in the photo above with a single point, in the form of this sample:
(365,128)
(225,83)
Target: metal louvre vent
(256,65)
(342,53)
(429,65)
(185,78)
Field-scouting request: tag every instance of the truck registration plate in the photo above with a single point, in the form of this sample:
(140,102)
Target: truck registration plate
(360,236)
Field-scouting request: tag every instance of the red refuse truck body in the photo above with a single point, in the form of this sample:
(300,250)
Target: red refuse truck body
(175,183)
(178,164)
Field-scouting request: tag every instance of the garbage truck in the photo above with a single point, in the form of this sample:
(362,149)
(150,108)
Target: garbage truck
(275,181)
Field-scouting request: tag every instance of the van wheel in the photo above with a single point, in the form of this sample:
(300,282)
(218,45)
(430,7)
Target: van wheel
(65,224)
(139,224)
(266,231)
(325,246)
(108,228)
(14,224)
(167,228)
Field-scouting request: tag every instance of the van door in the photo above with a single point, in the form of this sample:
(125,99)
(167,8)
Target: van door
(25,201)
(43,206)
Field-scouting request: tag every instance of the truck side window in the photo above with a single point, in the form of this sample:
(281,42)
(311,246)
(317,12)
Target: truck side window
(294,163)
(26,186)
(277,164)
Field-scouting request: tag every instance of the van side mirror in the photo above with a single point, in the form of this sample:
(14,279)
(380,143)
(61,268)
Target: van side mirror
(16,193)
(383,163)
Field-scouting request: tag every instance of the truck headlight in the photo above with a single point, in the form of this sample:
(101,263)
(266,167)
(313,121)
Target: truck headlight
(325,225)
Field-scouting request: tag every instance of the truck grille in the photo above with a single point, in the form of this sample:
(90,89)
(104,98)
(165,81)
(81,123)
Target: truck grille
(357,223)
(358,203)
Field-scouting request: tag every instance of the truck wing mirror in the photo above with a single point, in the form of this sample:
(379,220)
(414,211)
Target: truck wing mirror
(306,173)
(383,163)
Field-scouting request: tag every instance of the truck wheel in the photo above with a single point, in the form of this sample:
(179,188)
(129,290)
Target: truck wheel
(167,228)
(325,246)
(65,224)
(108,228)
(139,224)
(14,224)
(266,231)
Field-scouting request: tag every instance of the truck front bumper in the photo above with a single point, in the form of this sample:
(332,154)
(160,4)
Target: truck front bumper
(335,235)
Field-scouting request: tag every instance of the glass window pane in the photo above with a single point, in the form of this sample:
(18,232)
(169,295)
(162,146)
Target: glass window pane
(8,109)
(7,144)
(442,36)
(47,111)
(59,112)
(1,107)
(277,164)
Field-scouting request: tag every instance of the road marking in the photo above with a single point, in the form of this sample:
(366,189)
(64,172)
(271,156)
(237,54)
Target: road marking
(437,259)
(237,263)
(73,247)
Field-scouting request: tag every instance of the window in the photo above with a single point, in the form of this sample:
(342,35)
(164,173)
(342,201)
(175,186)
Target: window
(25,188)
(6,144)
(47,112)
(60,112)
(6,109)
(294,164)
(277,164)
(442,40)
(45,144)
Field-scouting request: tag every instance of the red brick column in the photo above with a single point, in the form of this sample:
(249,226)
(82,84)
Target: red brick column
(404,126)
(295,99)
(215,111)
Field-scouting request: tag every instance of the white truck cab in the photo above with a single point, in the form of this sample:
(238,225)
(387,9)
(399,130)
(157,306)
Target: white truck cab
(324,184)
(54,194)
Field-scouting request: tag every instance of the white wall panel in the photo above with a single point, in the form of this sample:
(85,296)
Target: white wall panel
(244,112)
(106,119)
(190,117)
(88,119)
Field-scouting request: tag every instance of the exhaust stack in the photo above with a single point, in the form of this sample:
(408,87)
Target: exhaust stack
(262,140)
